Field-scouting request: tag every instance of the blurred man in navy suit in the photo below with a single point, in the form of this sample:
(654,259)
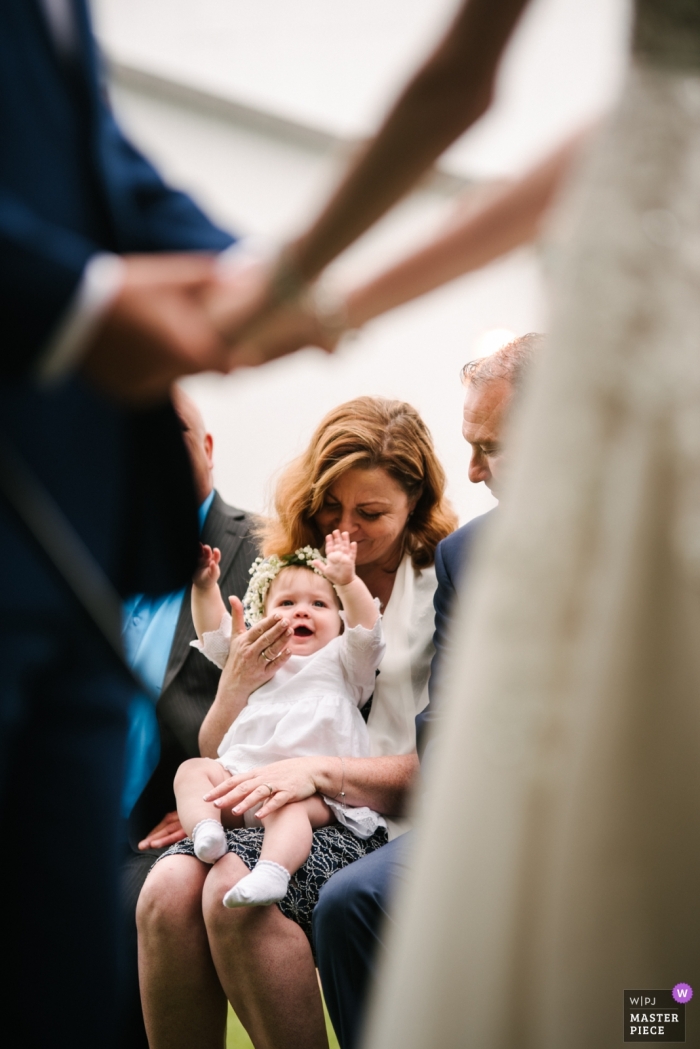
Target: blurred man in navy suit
(355,902)
(104,276)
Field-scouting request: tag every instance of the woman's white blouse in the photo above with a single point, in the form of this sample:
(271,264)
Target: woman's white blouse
(401,691)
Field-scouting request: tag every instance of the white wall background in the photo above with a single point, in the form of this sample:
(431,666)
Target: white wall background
(334,67)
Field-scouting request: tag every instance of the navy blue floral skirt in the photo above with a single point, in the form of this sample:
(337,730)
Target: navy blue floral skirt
(333,848)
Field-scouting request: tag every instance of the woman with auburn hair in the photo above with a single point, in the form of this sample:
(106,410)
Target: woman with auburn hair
(368,433)
(370,470)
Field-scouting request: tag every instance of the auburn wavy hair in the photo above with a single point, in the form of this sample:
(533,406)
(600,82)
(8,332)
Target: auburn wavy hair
(367,432)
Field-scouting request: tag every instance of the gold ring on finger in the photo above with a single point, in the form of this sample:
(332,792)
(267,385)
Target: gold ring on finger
(268,659)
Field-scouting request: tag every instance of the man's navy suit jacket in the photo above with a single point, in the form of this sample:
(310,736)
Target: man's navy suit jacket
(71,185)
(451,564)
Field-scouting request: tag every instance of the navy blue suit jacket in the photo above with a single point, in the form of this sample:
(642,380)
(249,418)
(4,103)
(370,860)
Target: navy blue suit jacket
(451,560)
(72,185)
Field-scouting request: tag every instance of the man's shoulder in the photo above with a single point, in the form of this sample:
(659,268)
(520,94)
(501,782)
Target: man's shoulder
(232,518)
(234,531)
(452,550)
(457,539)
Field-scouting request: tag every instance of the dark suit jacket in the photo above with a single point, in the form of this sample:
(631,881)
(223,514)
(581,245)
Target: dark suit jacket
(71,185)
(191,681)
(451,568)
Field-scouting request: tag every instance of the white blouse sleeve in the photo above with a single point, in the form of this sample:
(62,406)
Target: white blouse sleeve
(215,644)
(361,652)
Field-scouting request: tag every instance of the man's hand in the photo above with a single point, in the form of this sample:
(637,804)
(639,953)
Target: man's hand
(167,832)
(178,315)
(157,329)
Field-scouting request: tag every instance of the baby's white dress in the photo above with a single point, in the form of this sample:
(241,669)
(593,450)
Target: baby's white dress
(311,706)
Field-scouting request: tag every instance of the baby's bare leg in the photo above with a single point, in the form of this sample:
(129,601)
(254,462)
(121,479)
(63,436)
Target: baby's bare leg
(193,780)
(201,819)
(289,831)
(286,846)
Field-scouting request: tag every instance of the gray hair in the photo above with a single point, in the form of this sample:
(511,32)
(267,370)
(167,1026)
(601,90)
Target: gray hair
(511,362)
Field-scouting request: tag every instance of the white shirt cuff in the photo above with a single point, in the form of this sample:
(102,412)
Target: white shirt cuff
(101,282)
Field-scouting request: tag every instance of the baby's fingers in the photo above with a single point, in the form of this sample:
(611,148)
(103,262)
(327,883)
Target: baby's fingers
(344,544)
(341,542)
(330,543)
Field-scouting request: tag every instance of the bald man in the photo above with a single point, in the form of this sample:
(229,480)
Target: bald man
(157,635)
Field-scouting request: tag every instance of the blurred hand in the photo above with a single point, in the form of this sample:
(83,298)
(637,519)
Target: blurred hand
(167,832)
(257,329)
(242,298)
(157,329)
(290,328)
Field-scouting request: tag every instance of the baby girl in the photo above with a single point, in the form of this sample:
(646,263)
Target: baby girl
(311,705)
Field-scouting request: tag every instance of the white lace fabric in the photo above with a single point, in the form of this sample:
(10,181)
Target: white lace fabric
(216,644)
(571,740)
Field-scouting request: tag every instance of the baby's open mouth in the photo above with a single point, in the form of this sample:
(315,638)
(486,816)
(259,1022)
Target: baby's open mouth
(302,631)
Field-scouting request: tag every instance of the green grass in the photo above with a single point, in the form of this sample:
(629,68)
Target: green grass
(236,1037)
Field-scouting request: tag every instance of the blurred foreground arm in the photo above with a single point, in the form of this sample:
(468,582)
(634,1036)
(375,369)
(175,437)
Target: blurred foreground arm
(493,225)
(509,217)
(448,94)
(451,91)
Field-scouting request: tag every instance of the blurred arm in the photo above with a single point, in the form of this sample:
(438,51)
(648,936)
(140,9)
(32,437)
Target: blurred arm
(451,91)
(508,218)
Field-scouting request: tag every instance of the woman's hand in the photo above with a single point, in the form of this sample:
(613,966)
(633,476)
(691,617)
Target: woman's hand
(255,657)
(257,654)
(382,783)
(278,784)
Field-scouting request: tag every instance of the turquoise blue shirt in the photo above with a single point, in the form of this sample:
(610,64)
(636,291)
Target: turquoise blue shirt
(148,629)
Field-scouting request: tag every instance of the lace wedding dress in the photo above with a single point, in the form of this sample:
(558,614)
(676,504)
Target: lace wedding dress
(559,860)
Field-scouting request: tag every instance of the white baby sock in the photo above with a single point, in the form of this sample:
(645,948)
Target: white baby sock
(267,883)
(209,839)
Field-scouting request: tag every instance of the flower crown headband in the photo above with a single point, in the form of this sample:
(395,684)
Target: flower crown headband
(264,570)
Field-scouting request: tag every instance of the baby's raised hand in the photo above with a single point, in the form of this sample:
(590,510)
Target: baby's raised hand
(339,566)
(207,571)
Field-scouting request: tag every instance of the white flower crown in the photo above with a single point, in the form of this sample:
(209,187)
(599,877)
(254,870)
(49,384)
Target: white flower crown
(264,570)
